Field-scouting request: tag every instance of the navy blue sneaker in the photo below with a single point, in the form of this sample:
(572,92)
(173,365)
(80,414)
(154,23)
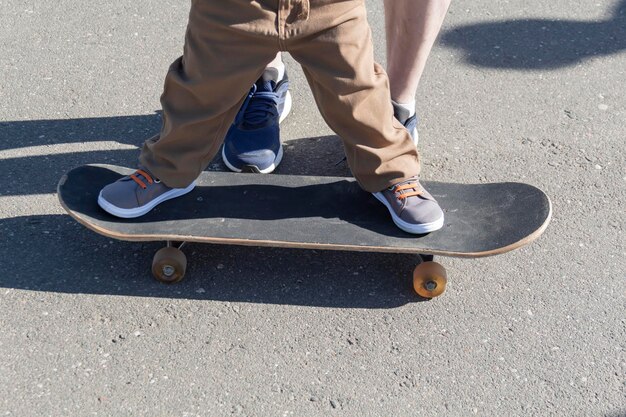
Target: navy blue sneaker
(411,126)
(409,122)
(252,143)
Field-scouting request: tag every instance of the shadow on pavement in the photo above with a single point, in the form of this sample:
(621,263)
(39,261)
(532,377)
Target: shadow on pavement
(537,44)
(61,145)
(38,172)
(53,253)
(131,130)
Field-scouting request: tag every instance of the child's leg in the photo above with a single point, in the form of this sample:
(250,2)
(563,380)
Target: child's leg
(227,45)
(335,49)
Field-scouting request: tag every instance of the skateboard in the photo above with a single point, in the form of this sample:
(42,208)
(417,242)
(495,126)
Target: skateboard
(308,212)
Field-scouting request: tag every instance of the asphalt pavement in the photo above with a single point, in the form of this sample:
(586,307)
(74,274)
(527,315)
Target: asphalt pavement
(526,91)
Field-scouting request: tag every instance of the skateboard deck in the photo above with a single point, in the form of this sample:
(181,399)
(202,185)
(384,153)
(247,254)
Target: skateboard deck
(314,213)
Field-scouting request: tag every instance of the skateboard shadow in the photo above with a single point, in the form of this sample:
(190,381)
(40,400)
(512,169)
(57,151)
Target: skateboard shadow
(53,253)
(537,44)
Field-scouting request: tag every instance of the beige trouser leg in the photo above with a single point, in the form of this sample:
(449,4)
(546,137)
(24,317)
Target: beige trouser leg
(335,50)
(206,86)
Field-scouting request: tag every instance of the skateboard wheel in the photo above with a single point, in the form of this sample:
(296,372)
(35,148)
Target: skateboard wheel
(429,279)
(169,265)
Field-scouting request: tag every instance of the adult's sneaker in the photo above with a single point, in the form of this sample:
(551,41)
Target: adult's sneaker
(408,121)
(412,208)
(137,194)
(252,143)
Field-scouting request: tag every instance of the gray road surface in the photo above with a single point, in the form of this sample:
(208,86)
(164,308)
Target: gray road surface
(515,90)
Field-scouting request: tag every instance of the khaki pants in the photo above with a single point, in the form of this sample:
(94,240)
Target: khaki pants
(227,45)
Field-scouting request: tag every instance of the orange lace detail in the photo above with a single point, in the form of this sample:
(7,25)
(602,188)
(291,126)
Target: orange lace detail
(410,186)
(143,174)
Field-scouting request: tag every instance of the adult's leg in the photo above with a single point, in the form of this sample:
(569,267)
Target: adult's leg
(411,27)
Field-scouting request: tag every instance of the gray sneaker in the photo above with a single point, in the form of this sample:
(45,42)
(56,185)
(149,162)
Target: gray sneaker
(412,208)
(137,194)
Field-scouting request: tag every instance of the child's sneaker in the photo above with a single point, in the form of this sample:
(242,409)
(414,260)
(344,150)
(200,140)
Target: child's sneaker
(412,208)
(137,194)
(253,141)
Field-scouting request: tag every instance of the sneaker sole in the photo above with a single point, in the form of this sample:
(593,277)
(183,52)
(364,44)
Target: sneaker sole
(267,170)
(140,211)
(286,107)
(417,229)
